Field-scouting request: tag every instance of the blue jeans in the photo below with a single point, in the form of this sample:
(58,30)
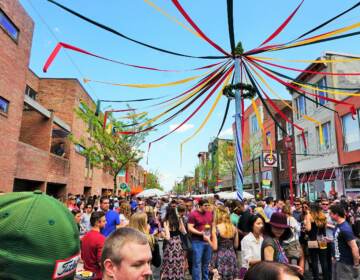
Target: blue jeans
(201,260)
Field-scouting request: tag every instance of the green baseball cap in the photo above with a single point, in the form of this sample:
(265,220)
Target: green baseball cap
(39,237)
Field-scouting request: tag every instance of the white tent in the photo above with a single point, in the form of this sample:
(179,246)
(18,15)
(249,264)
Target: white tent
(232,195)
(151,193)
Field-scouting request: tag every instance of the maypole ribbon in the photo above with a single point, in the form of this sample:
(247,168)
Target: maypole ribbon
(117,33)
(230,14)
(283,25)
(320,61)
(182,81)
(202,125)
(286,103)
(172,18)
(61,45)
(197,109)
(198,30)
(113,111)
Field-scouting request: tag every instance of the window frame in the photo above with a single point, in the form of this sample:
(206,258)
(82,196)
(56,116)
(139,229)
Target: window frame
(5,16)
(28,90)
(299,112)
(320,101)
(345,146)
(253,120)
(79,151)
(279,133)
(323,148)
(7,102)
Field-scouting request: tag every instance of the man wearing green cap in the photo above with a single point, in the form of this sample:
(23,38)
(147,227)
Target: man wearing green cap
(39,238)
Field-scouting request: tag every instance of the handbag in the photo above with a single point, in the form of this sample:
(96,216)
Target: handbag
(313,244)
(156,256)
(293,250)
(186,242)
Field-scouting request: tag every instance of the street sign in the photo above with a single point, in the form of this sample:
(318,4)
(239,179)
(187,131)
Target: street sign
(269,159)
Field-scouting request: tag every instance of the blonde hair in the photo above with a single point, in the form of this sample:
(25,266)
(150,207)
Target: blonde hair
(139,221)
(125,209)
(222,216)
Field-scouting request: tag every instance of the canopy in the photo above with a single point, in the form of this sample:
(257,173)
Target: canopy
(151,192)
(232,195)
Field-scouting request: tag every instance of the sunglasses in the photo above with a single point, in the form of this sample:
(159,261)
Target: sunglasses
(89,207)
(207,205)
(325,204)
(297,204)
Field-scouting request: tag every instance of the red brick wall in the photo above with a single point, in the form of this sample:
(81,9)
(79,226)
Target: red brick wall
(14,60)
(345,157)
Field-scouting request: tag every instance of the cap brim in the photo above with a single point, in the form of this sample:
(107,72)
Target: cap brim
(279,225)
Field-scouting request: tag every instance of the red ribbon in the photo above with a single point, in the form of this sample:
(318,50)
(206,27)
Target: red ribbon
(282,26)
(60,45)
(111,111)
(193,24)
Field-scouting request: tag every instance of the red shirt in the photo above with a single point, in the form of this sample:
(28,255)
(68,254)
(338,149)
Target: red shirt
(199,220)
(91,247)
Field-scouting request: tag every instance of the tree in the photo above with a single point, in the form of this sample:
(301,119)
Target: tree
(152,181)
(107,149)
(226,160)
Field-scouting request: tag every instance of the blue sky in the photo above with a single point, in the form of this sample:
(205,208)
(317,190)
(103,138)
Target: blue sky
(254,21)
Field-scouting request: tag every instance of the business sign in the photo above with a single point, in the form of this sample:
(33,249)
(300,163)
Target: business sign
(269,159)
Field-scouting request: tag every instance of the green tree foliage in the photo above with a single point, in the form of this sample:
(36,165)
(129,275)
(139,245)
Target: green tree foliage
(152,181)
(106,149)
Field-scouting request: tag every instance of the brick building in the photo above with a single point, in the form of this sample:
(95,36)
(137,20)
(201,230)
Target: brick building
(36,116)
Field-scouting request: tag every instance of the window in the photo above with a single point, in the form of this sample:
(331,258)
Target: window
(300,106)
(279,133)
(4,105)
(321,84)
(289,128)
(268,138)
(30,92)
(326,132)
(8,26)
(281,162)
(82,107)
(254,124)
(351,132)
(301,144)
(79,148)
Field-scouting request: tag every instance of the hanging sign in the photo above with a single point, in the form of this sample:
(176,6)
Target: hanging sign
(269,159)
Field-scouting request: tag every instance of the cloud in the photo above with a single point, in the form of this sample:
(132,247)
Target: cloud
(227,133)
(182,129)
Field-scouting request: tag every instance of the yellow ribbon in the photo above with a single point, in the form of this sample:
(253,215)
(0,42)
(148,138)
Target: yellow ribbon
(172,18)
(336,92)
(320,127)
(207,117)
(130,116)
(183,81)
(310,40)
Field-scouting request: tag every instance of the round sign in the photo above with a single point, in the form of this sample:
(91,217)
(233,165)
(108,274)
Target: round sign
(270,159)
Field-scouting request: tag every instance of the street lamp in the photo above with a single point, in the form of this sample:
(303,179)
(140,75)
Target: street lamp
(289,147)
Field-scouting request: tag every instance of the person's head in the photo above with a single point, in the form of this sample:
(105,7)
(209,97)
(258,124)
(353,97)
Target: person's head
(216,197)
(71,201)
(141,205)
(272,271)
(189,205)
(119,260)
(172,218)
(77,215)
(104,203)
(317,215)
(325,204)
(97,219)
(181,209)
(222,216)
(204,205)
(256,223)
(278,227)
(88,208)
(239,207)
(125,209)
(269,201)
(337,212)
(280,204)
(287,210)
(297,204)
(173,204)
(139,221)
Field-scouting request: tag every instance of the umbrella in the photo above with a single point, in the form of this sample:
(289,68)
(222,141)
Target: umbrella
(151,192)
(232,195)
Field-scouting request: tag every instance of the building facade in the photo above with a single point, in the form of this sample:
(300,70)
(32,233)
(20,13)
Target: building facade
(319,166)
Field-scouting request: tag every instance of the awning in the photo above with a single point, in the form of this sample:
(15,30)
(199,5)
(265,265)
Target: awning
(324,174)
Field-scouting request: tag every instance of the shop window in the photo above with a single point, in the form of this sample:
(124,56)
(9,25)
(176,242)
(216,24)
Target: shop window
(352,178)
(79,148)
(8,26)
(351,133)
(254,124)
(279,133)
(4,105)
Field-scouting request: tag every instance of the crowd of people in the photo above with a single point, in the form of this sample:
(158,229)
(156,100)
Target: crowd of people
(214,239)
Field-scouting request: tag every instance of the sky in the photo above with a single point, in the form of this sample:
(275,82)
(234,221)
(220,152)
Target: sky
(254,21)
